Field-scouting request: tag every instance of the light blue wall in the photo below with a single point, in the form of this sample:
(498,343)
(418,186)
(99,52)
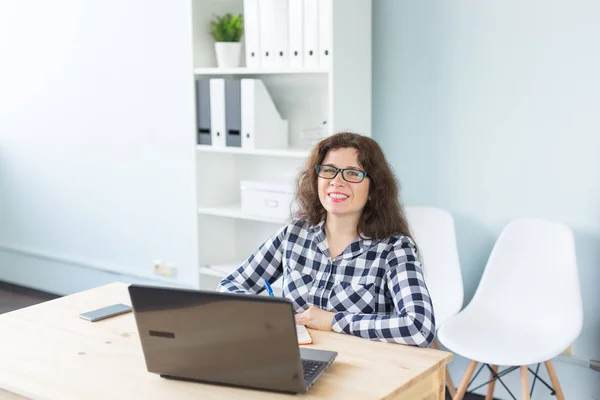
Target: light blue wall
(97,151)
(492,111)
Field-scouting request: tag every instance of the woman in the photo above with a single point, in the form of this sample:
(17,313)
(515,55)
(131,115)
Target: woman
(348,261)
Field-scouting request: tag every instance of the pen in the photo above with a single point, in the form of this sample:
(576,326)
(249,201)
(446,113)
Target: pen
(269,290)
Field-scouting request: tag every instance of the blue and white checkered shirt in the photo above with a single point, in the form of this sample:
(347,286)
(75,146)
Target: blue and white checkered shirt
(375,287)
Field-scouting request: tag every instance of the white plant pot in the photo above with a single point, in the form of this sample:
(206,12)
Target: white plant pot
(228,54)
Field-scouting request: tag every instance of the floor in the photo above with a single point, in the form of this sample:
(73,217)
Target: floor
(13,297)
(468,396)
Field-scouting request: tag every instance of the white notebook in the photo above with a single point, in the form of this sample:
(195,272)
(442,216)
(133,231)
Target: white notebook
(303,335)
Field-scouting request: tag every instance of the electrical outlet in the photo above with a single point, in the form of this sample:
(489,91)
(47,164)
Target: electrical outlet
(163,268)
(568,351)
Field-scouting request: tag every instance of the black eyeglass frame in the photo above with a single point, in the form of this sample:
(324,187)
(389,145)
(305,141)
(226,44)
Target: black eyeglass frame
(341,170)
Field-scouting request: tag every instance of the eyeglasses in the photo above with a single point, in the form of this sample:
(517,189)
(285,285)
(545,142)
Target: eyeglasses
(351,175)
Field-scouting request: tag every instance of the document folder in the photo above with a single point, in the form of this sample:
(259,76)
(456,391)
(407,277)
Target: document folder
(325,32)
(217,112)
(296,39)
(273,21)
(262,126)
(203,111)
(233,113)
(280,33)
(311,33)
(251,33)
(266,16)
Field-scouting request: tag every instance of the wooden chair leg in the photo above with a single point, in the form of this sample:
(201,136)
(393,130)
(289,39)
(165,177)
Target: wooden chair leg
(492,384)
(524,382)
(554,380)
(449,382)
(464,384)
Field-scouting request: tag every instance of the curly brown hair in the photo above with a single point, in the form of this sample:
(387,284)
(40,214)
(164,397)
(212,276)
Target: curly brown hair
(383,215)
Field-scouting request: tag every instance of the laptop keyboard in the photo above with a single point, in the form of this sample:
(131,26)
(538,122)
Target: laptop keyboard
(311,368)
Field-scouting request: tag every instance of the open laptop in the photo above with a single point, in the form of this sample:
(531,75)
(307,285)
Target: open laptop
(223,338)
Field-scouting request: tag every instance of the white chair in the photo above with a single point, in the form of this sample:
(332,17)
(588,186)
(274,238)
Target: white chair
(434,233)
(527,308)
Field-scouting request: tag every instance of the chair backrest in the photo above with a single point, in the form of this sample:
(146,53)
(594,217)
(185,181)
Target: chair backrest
(531,277)
(434,234)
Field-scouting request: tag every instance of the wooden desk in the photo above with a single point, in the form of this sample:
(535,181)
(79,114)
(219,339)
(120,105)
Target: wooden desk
(48,352)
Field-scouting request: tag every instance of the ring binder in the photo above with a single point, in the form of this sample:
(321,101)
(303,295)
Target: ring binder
(203,111)
(233,113)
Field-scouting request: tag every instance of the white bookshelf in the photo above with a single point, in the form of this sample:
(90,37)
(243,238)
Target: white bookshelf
(235,211)
(339,94)
(291,153)
(243,71)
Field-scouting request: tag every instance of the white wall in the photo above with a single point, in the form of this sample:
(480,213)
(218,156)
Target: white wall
(490,109)
(96,142)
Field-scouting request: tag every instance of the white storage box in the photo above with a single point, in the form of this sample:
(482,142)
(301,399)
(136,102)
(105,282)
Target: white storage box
(267,199)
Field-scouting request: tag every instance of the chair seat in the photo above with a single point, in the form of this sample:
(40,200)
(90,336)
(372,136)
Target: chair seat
(485,338)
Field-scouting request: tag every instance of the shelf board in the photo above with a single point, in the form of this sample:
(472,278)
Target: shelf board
(209,271)
(222,270)
(259,71)
(295,153)
(235,211)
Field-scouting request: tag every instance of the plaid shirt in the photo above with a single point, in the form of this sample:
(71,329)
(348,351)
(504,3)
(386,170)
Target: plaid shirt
(375,287)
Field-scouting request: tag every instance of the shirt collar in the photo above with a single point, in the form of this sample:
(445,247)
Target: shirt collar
(318,227)
(356,247)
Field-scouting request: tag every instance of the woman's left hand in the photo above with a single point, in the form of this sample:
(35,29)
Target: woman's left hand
(315,318)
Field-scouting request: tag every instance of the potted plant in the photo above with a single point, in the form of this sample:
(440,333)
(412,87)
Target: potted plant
(227,31)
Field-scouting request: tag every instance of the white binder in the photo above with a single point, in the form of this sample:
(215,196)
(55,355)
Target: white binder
(296,33)
(266,15)
(311,33)
(262,126)
(273,19)
(217,112)
(251,33)
(280,33)
(325,32)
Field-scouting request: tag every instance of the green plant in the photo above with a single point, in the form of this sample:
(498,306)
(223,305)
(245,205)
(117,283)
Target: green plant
(227,28)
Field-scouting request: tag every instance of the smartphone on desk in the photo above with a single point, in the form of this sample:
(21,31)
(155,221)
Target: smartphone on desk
(105,312)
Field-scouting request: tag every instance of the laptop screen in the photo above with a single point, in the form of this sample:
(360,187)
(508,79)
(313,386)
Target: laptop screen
(241,340)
